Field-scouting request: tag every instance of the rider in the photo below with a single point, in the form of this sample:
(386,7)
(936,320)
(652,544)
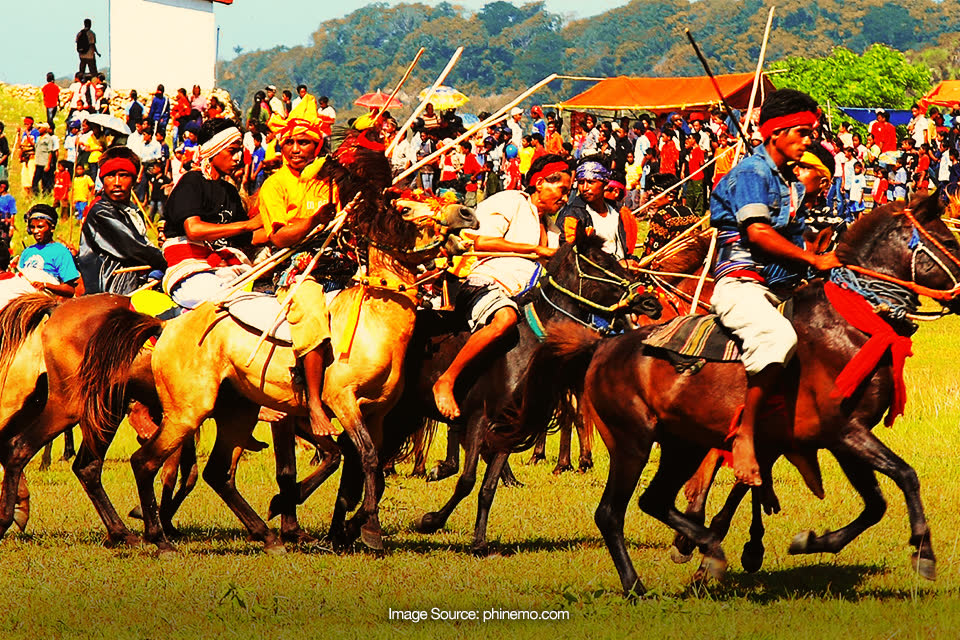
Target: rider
(205,220)
(761,255)
(588,211)
(114,234)
(512,222)
(293,202)
(47,264)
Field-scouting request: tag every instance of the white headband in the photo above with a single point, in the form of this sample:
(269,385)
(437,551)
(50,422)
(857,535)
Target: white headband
(219,142)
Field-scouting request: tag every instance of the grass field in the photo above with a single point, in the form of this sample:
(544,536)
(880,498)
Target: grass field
(59,581)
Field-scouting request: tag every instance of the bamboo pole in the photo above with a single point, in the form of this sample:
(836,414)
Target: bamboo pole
(496,117)
(659,252)
(757,77)
(396,90)
(647,204)
(707,263)
(416,112)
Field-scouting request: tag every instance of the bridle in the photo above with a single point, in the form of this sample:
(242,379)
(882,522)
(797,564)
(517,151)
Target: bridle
(631,292)
(918,246)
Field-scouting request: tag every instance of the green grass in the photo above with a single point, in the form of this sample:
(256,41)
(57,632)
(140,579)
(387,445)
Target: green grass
(59,581)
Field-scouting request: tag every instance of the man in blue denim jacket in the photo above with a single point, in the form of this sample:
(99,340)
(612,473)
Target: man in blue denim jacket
(761,255)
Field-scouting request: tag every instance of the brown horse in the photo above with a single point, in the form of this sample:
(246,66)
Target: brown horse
(636,397)
(201,370)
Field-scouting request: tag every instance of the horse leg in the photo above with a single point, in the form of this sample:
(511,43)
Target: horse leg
(421,447)
(585,436)
(539,450)
(678,461)
(69,450)
(88,467)
(507,478)
(47,458)
(169,472)
(485,500)
(21,512)
(235,422)
(626,466)
(189,474)
(450,465)
(696,490)
(434,521)
(348,494)
(563,458)
(285,502)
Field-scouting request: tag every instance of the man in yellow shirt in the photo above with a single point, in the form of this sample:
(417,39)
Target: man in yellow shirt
(292,202)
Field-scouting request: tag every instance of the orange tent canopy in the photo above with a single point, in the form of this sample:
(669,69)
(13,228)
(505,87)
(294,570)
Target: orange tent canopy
(945,94)
(666,94)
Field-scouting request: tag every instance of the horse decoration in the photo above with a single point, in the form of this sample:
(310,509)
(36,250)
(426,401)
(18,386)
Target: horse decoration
(838,386)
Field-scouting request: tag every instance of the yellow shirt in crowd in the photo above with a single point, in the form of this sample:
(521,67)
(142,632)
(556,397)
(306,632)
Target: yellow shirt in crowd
(82,188)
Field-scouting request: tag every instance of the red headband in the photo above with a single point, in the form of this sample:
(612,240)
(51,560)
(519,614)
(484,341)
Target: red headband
(118,164)
(785,122)
(548,170)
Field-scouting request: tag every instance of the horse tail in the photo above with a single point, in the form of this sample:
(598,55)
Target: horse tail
(556,371)
(105,367)
(21,317)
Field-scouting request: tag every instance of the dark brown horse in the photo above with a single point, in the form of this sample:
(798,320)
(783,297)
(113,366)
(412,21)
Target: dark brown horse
(636,397)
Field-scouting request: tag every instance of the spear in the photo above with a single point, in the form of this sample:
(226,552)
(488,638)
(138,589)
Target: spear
(393,95)
(416,112)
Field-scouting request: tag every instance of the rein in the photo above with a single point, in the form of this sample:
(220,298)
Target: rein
(940,295)
(631,292)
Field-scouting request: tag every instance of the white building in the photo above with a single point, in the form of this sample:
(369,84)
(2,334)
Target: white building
(169,42)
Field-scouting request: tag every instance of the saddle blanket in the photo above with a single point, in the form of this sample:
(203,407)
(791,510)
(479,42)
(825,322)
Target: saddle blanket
(258,312)
(696,337)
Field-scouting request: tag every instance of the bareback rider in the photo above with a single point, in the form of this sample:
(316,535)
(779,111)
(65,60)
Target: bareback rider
(761,255)
(588,212)
(292,202)
(205,222)
(511,222)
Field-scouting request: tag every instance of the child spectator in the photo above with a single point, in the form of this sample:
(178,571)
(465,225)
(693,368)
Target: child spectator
(61,189)
(159,184)
(880,187)
(8,209)
(899,182)
(257,157)
(82,190)
(857,184)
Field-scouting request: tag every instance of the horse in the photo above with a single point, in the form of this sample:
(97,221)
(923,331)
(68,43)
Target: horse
(200,364)
(580,281)
(41,400)
(636,397)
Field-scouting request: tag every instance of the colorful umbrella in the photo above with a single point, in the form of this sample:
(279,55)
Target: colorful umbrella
(445,98)
(469,119)
(377,100)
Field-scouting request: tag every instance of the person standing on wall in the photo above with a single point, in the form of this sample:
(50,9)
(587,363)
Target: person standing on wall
(87,48)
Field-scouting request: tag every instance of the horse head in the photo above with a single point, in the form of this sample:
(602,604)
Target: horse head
(591,282)
(907,246)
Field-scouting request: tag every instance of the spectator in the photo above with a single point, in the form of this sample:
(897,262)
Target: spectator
(918,127)
(287,102)
(61,189)
(75,98)
(274,102)
(46,159)
(884,134)
(198,103)
(880,187)
(301,92)
(25,149)
(159,115)
(4,154)
(8,208)
(51,98)
(87,48)
(179,113)
(160,185)
(259,113)
(214,109)
(858,184)
(70,145)
(134,111)
(82,188)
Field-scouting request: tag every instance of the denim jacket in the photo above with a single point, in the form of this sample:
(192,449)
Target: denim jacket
(756,191)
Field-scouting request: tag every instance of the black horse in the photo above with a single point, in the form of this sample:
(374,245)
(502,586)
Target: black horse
(581,283)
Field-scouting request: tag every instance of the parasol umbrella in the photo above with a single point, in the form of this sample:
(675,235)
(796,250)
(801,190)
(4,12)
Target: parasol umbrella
(107,121)
(445,98)
(377,100)
(469,119)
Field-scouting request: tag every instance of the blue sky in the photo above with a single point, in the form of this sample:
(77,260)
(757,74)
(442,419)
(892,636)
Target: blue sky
(27,53)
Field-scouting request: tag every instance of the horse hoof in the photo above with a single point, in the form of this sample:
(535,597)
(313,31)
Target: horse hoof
(275,549)
(801,543)
(480,550)
(372,539)
(298,537)
(136,513)
(926,568)
(679,557)
(441,472)
(712,568)
(427,524)
(559,469)
(20,517)
(752,559)
(536,459)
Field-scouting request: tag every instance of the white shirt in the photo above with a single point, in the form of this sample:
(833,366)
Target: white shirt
(943,174)
(920,129)
(510,215)
(857,185)
(516,133)
(75,95)
(328,112)
(606,225)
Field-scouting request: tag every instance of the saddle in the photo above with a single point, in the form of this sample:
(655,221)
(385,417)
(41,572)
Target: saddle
(258,312)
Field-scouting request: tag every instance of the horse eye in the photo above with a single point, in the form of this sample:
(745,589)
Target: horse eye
(404,211)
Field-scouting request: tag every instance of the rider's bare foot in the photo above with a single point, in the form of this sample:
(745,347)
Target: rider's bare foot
(443,396)
(321,425)
(745,462)
(271,415)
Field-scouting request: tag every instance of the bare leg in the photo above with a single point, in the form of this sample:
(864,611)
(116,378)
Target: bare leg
(503,321)
(314,365)
(745,464)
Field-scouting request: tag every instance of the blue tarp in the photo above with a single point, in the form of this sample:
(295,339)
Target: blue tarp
(866,116)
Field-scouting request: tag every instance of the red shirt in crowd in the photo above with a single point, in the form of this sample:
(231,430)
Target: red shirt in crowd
(695,160)
(51,95)
(885,135)
(61,185)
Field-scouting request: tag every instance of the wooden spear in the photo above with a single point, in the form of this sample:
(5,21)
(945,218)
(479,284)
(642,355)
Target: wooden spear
(416,112)
(757,77)
(393,95)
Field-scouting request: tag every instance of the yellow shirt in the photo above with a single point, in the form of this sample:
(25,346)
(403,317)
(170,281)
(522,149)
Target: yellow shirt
(82,186)
(526,159)
(285,196)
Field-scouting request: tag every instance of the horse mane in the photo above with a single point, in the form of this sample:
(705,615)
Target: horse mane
(18,320)
(868,226)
